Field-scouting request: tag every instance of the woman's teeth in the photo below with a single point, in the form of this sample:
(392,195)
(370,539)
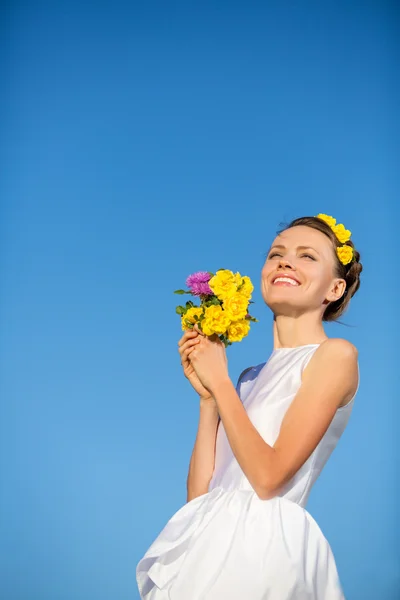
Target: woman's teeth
(286,280)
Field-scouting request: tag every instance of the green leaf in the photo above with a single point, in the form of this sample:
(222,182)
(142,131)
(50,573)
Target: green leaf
(180,310)
(249,318)
(189,304)
(225,340)
(182,292)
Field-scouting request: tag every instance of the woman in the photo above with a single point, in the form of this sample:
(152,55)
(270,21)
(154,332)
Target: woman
(244,533)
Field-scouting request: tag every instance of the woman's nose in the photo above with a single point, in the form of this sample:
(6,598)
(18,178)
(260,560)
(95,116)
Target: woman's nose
(285,263)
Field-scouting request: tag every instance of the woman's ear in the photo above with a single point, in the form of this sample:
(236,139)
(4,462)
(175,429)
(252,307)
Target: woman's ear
(337,290)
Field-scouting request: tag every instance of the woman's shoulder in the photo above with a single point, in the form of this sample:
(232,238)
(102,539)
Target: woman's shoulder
(338,347)
(337,355)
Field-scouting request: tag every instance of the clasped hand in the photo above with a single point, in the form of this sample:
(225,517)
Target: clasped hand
(209,360)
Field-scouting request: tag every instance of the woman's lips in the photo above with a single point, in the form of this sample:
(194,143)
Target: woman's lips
(286,284)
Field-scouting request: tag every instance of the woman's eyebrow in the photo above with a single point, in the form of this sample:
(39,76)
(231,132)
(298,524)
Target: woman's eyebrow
(298,247)
(307,248)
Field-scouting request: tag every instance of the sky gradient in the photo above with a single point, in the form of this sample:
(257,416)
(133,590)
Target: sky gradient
(141,142)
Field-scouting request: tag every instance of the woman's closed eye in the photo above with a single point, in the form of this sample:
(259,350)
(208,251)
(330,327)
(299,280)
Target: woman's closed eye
(305,254)
(309,256)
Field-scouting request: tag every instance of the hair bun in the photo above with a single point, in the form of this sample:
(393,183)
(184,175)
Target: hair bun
(353,275)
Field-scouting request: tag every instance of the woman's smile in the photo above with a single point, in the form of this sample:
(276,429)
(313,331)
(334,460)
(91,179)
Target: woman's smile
(285,281)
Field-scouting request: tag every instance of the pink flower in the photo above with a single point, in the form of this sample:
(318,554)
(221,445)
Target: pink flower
(198,283)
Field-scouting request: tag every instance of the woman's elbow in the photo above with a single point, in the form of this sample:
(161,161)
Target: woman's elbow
(269,489)
(266,493)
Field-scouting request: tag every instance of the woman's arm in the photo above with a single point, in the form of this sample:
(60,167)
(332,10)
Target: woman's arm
(203,456)
(330,378)
(202,460)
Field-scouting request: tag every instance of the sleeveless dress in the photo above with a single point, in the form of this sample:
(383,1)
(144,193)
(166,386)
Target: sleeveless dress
(228,544)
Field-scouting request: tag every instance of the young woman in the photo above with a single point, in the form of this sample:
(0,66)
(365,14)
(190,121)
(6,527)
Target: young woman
(244,533)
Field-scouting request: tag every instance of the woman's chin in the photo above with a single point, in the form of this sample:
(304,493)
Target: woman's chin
(283,294)
(284,305)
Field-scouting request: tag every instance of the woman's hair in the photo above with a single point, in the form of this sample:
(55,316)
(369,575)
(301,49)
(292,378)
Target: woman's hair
(350,272)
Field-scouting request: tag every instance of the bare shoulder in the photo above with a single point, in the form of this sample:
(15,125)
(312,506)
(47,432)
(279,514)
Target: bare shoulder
(337,358)
(338,347)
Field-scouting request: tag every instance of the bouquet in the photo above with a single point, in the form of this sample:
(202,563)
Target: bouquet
(224,301)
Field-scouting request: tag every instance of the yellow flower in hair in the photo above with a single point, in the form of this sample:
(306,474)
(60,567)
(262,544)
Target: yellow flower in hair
(341,233)
(329,220)
(345,254)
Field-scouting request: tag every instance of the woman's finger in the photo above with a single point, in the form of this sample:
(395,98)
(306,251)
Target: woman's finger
(188,344)
(187,336)
(186,355)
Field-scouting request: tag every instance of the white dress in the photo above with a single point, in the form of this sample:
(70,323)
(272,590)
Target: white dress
(228,544)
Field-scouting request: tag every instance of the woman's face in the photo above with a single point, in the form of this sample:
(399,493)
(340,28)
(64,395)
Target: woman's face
(306,257)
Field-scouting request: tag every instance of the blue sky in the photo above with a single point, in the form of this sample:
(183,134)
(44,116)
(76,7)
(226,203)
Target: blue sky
(141,142)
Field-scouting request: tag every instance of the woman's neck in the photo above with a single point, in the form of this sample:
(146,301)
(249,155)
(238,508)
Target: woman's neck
(289,332)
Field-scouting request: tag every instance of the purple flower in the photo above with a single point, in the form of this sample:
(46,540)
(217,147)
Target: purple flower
(198,283)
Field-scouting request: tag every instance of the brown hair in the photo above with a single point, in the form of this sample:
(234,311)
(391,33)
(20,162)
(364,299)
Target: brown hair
(350,272)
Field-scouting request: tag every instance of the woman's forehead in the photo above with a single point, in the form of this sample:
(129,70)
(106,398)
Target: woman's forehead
(302,235)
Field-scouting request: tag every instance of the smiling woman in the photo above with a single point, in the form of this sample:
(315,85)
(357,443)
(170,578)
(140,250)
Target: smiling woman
(260,446)
(320,251)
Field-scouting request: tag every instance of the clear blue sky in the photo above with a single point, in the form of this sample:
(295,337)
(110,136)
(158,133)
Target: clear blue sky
(141,142)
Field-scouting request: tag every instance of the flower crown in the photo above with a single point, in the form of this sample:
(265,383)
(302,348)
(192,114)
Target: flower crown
(345,253)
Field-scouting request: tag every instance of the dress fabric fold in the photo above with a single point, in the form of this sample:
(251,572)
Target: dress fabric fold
(230,544)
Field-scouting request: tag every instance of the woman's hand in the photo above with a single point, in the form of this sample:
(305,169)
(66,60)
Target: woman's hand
(209,361)
(187,343)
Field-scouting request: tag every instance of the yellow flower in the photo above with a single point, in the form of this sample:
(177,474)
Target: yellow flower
(246,288)
(223,283)
(345,254)
(330,220)
(341,233)
(195,311)
(236,306)
(215,320)
(238,330)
